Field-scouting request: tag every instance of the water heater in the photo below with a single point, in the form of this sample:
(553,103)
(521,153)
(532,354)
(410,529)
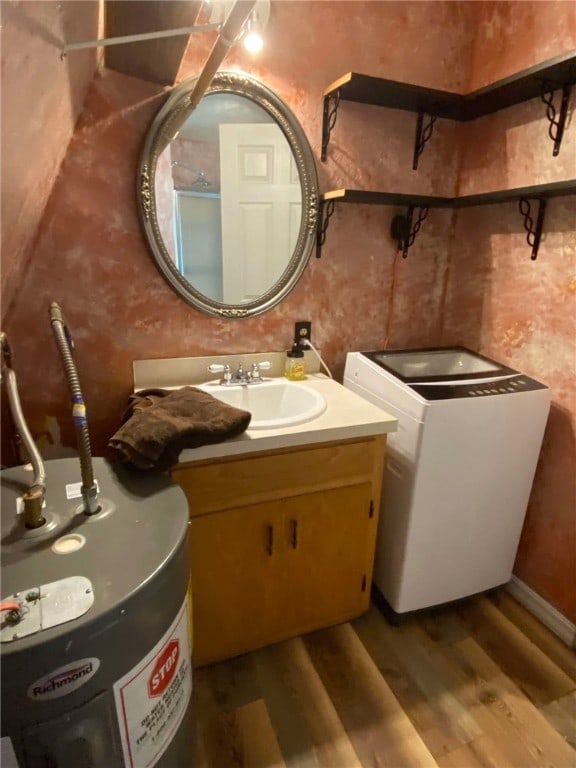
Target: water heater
(96,631)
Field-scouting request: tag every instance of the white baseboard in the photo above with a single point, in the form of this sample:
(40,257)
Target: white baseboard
(546,613)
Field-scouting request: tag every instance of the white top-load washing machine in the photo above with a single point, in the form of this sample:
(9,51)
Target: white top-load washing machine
(459,469)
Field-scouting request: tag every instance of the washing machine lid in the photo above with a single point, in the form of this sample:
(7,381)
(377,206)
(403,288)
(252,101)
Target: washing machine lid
(439,365)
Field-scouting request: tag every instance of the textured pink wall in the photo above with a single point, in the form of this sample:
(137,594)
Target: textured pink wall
(41,99)
(514,35)
(503,304)
(90,255)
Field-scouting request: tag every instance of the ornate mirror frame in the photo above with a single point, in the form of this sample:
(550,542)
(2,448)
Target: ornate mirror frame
(164,127)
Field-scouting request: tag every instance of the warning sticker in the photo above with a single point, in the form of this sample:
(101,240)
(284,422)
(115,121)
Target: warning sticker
(74,490)
(151,699)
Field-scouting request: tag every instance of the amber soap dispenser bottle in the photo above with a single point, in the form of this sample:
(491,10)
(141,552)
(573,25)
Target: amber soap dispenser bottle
(295,369)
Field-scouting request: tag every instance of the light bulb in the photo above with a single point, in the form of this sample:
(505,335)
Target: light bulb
(253,42)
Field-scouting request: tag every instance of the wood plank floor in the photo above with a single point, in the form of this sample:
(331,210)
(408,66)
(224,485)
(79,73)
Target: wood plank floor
(479,685)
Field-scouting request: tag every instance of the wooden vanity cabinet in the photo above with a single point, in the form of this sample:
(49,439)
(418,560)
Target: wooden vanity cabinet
(282,542)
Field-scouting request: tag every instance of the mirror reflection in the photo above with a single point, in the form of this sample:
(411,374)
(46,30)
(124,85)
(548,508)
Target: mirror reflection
(228,196)
(229,199)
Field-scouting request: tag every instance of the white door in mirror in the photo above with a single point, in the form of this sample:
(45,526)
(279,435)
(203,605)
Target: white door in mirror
(261,204)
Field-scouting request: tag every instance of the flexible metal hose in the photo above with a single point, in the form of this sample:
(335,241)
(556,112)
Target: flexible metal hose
(34,497)
(63,342)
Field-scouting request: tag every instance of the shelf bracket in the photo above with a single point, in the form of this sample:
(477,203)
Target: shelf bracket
(404,229)
(329,114)
(324,216)
(533,233)
(556,127)
(423,135)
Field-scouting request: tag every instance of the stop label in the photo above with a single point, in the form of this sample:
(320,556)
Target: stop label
(164,669)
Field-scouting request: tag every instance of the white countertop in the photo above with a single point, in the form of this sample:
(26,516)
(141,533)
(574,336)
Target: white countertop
(347,416)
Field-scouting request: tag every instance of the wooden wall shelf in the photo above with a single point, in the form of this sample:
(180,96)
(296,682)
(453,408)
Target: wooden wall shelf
(404,229)
(504,93)
(536,192)
(541,81)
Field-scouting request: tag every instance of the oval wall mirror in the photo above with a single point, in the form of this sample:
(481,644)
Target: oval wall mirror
(228,196)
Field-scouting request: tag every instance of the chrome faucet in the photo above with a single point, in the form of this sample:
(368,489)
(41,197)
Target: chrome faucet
(254,373)
(241,376)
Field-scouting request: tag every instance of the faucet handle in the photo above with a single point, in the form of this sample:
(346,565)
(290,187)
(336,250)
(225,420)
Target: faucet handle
(219,368)
(254,374)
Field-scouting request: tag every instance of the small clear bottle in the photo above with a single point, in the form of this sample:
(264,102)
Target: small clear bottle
(295,369)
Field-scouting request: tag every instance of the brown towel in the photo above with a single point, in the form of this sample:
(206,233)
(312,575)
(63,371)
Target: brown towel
(158,424)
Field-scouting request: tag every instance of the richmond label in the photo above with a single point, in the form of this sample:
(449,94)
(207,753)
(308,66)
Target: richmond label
(63,680)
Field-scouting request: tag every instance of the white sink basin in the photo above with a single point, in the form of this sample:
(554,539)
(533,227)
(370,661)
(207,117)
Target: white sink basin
(274,404)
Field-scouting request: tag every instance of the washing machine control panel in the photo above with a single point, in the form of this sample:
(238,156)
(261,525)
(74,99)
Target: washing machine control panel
(511,385)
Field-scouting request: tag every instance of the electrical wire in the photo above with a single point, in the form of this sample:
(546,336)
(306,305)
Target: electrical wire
(318,355)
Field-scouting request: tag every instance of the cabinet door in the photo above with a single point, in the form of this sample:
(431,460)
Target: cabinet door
(266,572)
(326,560)
(234,556)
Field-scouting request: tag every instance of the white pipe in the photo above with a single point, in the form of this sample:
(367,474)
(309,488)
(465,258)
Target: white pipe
(230,31)
(227,36)
(140,37)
